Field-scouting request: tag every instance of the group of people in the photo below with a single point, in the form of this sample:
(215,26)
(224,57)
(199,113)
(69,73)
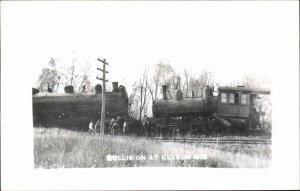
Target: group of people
(115,126)
(120,126)
(92,127)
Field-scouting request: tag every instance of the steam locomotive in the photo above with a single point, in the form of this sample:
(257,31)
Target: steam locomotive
(77,109)
(232,109)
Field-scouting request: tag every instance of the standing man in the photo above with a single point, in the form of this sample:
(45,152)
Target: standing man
(112,122)
(125,127)
(146,125)
(91,125)
(97,125)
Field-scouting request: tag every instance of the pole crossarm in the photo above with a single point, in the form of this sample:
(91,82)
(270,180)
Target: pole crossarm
(103,61)
(101,79)
(102,70)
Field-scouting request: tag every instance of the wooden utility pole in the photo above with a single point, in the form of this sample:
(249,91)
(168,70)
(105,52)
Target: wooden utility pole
(103,94)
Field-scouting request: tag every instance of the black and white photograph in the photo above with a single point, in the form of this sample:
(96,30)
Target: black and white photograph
(101,95)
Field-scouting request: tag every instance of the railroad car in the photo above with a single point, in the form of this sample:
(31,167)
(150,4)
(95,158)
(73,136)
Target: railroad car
(77,109)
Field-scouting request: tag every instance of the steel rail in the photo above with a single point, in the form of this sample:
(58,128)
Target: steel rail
(216,141)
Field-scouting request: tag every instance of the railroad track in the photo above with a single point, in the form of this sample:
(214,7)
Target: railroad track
(214,141)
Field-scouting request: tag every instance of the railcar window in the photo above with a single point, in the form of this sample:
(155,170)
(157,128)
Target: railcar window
(231,98)
(234,98)
(224,97)
(244,99)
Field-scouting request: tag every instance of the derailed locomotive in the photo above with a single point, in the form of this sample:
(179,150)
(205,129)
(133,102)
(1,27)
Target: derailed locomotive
(72,109)
(232,109)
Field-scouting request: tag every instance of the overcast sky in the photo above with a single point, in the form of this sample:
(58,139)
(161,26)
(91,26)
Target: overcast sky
(229,39)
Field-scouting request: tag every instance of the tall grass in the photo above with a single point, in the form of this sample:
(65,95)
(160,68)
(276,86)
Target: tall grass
(57,148)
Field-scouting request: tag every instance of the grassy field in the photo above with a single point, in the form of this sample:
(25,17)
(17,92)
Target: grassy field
(58,148)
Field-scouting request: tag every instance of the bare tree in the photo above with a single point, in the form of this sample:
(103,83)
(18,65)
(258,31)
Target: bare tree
(185,88)
(69,75)
(139,99)
(49,76)
(154,87)
(83,79)
(255,80)
(143,93)
(132,102)
(77,77)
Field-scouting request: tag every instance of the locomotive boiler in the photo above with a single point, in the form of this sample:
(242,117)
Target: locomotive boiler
(77,109)
(184,107)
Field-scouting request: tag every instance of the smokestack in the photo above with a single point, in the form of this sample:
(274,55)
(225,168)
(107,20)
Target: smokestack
(164,87)
(69,89)
(115,86)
